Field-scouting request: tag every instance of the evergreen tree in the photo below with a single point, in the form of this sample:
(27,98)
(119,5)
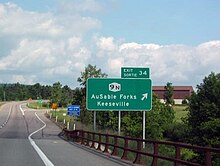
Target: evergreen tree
(89,72)
(168,95)
(56,94)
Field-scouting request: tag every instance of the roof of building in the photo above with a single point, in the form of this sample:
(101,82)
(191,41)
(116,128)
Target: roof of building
(179,92)
(175,88)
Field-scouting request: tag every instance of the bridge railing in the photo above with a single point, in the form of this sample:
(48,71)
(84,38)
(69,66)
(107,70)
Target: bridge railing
(132,149)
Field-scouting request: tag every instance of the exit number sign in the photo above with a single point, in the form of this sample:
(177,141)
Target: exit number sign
(135,72)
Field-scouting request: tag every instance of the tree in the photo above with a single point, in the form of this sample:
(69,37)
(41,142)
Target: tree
(158,119)
(67,96)
(89,72)
(56,93)
(204,112)
(168,94)
(18,91)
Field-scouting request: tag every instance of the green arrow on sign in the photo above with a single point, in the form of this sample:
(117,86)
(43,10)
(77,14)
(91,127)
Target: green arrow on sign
(119,94)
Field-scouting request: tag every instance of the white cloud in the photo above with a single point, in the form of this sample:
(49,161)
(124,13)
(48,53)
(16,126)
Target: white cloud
(204,50)
(106,43)
(136,46)
(179,64)
(115,64)
(15,20)
(23,79)
(49,47)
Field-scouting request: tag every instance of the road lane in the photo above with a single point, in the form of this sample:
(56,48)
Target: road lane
(17,150)
(5,111)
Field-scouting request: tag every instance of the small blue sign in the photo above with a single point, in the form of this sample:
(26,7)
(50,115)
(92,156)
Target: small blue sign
(73,110)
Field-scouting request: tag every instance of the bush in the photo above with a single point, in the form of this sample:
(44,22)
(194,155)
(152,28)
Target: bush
(177,132)
(184,101)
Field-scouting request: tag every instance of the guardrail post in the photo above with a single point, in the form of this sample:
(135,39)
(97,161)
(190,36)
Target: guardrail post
(93,141)
(125,154)
(115,150)
(155,159)
(99,142)
(82,137)
(138,155)
(77,135)
(177,155)
(208,161)
(106,143)
(87,138)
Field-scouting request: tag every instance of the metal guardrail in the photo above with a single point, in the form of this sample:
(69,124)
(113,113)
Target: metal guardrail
(109,141)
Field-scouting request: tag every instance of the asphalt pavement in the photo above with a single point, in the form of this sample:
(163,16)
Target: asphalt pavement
(30,139)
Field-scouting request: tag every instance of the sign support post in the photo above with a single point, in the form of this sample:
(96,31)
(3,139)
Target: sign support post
(119,122)
(94,121)
(144,124)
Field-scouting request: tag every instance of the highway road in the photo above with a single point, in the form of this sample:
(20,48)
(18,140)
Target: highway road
(28,138)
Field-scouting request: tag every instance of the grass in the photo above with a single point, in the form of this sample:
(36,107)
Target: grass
(61,115)
(180,112)
(38,105)
(1,103)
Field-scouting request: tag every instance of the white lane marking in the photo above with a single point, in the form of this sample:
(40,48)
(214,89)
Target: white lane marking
(22,111)
(43,157)
(9,114)
(46,161)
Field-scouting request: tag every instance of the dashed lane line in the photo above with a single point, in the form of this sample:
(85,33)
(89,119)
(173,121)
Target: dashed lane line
(3,125)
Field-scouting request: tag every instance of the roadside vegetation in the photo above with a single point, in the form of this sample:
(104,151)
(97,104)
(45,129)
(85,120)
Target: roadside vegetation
(1,103)
(180,112)
(39,105)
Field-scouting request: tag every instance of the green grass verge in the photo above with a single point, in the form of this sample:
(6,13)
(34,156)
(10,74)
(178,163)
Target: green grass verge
(1,103)
(61,115)
(38,105)
(180,112)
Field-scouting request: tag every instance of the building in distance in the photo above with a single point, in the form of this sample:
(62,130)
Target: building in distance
(180,93)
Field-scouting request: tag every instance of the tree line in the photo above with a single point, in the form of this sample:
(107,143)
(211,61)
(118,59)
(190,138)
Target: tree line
(18,92)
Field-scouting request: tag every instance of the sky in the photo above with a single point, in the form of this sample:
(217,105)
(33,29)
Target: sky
(46,41)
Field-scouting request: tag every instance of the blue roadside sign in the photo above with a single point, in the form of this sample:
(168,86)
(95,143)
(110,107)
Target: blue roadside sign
(73,110)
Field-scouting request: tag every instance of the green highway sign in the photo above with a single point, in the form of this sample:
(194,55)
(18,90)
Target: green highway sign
(135,72)
(118,94)
(40,101)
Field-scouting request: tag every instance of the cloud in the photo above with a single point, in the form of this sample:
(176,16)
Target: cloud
(204,50)
(115,64)
(23,79)
(106,43)
(179,64)
(43,46)
(56,46)
(14,20)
